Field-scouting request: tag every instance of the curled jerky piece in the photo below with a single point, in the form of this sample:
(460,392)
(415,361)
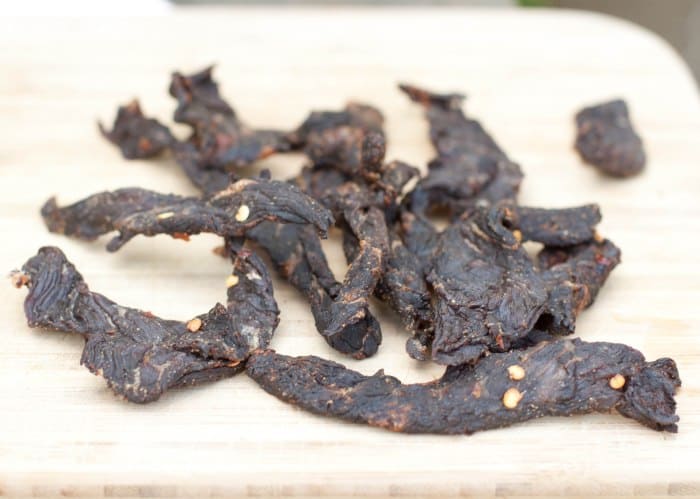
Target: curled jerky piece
(573,278)
(142,356)
(297,255)
(470,166)
(223,141)
(606,139)
(487,291)
(351,140)
(230,212)
(559,378)
(137,136)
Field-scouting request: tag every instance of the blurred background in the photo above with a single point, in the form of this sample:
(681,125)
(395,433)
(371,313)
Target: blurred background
(678,21)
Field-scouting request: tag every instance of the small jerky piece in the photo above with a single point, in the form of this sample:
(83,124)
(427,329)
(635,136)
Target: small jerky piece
(230,212)
(142,356)
(606,139)
(470,166)
(574,276)
(137,136)
(555,227)
(562,378)
(223,141)
(351,140)
(488,293)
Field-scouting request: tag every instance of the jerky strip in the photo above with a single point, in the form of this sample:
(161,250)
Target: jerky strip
(559,378)
(230,212)
(555,227)
(137,136)
(351,140)
(470,166)
(142,356)
(606,139)
(297,255)
(574,276)
(487,291)
(218,134)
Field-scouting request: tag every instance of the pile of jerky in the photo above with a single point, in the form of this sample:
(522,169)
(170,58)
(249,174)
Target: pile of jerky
(470,296)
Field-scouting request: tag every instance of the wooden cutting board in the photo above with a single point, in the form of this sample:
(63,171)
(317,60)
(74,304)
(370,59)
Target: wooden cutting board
(526,73)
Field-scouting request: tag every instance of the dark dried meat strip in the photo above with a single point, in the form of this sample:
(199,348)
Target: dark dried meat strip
(555,227)
(297,255)
(223,141)
(351,140)
(559,378)
(367,226)
(487,291)
(606,139)
(230,212)
(137,136)
(142,356)
(470,166)
(573,278)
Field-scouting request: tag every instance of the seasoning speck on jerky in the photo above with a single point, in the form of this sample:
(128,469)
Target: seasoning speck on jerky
(137,211)
(606,139)
(565,377)
(142,356)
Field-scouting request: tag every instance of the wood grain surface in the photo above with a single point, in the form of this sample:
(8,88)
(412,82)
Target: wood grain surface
(526,73)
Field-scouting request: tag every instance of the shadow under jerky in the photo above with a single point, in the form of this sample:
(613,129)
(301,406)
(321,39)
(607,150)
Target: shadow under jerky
(558,378)
(142,356)
(231,212)
(606,139)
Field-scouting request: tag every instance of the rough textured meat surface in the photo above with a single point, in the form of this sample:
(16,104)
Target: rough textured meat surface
(223,141)
(555,227)
(296,253)
(470,167)
(573,278)
(137,136)
(558,378)
(488,292)
(349,140)
(230,212)
(142,356)
(606,139)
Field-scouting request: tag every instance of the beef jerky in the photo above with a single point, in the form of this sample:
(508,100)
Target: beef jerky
(366,223)
(404,285)
(606,139)
(140,355)
(230,212)
(488,292)
(207,179)
(137,136)
(223,141)
(351,140)
(559,378)
(555,227)
(470,167)
(297,255)
(573,277)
